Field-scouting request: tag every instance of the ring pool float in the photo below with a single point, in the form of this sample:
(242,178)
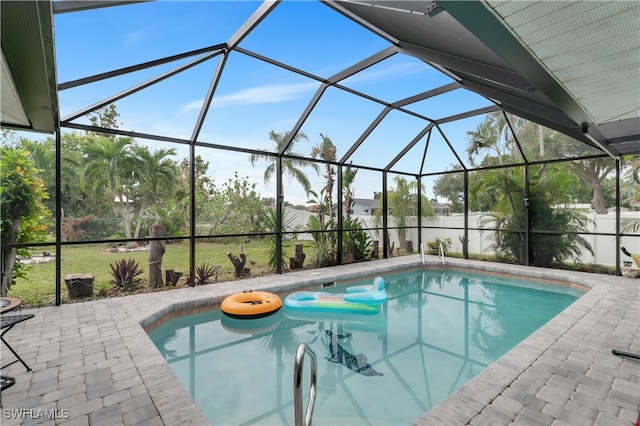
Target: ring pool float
(251,304)
(365,299)
(252,326)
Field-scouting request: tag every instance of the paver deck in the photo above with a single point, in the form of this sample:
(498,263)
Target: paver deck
(92,362)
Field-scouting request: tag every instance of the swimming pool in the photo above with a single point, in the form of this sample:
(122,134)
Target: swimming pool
(436,332)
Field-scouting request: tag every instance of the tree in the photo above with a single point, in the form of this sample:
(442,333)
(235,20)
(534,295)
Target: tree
(593,172)
(632,176)
(402,202)
(106,117)
(493,135)
(326,150)
(232,208)
(348,177)
(25,219)
(548,186)
(154,176)
(290,166)
(450,186)
(111,166)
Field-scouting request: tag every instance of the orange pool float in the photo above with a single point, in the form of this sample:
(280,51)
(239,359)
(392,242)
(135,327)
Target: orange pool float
(251,304)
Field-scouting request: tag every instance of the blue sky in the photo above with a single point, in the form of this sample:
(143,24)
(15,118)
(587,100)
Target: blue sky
(254,97)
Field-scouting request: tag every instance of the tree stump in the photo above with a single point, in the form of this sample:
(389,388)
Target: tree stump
(156,252)
(238,263)
(79,285)
(375,249)
(409,246)
(297,262)
(172,276)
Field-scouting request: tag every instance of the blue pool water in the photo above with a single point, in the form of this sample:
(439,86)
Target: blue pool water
(436,331)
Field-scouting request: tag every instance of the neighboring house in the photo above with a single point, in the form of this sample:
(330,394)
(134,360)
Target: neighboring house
(441,209)
(117,205)
(361,207)
(364,207)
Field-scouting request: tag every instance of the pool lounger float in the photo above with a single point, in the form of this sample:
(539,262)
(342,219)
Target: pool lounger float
(251,304)
(369,322)
(363,299)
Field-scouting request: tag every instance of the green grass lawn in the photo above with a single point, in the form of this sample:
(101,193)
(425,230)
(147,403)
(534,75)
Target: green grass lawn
(38,289)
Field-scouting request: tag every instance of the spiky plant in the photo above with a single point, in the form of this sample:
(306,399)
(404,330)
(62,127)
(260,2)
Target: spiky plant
(204,272)
(126,274)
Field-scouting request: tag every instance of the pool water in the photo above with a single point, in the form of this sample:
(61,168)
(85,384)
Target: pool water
(436,331)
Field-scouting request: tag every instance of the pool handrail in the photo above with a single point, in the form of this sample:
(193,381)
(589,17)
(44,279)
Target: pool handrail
(303,418)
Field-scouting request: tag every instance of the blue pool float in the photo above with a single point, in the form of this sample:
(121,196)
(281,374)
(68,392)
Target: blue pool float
(362,299)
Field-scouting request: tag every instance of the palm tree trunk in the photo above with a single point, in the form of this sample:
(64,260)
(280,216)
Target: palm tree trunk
(139,221)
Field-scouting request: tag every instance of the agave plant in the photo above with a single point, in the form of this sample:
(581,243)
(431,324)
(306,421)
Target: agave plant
(206,271)
(126,274)
(271,221)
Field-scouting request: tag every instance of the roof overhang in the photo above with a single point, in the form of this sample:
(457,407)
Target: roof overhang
(503,51)
(28,91)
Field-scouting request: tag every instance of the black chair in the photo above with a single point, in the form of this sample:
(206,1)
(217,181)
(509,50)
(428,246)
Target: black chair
(8,322)
(6,382)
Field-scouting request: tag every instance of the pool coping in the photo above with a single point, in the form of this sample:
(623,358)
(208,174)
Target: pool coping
(71,346)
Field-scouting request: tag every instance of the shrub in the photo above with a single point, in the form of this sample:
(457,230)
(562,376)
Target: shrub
(324,253)
(355,241)
(24,217)
(433,247)
(206,271)
(126,273)
(270,219)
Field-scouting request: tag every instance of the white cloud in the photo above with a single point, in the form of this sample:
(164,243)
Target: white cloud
(135,37)
(264,94)
(256,95)
(191,106)
(382,73)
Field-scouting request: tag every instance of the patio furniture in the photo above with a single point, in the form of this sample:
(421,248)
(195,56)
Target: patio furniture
(6,382)
(7,323)
(8,304)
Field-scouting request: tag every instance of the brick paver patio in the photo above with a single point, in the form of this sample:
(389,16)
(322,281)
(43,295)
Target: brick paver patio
(92,362)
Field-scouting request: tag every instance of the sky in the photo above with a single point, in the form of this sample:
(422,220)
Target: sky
(254,97)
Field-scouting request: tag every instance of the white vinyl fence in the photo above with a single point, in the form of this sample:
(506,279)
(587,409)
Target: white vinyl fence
(604,246)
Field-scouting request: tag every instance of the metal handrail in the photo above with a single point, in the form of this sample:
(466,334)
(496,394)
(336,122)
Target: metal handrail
(303,418)
(441,250)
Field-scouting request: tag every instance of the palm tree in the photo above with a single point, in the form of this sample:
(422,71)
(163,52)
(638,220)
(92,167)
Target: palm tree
(110,167)
(291,166)
(326,150)
(402,202)
(549,186)
(348,177)
(155,175)
(493,135)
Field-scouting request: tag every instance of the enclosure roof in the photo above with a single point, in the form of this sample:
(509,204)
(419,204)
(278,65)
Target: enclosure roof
(571,66)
